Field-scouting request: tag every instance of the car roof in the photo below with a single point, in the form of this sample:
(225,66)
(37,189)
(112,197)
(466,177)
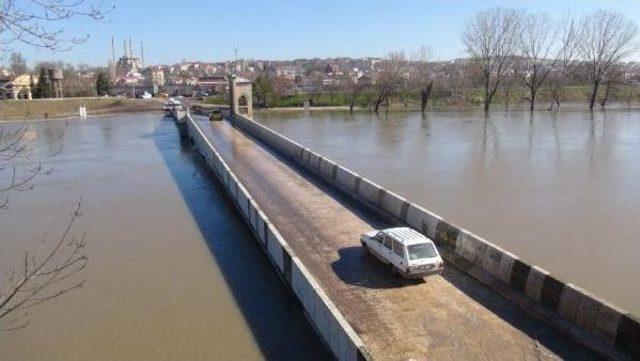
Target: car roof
(406,235)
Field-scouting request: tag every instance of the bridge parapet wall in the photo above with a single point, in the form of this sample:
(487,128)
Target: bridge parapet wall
(327,320)
(597,324)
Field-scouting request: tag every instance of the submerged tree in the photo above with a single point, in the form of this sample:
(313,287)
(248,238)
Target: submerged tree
(388,79)
(536,40)
(566,59)
(491,38)
(607,38)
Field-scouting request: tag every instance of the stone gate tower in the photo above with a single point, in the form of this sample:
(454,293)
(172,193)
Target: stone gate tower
(240,98)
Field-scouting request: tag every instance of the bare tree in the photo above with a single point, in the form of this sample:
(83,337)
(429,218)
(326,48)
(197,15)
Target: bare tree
(491,38)
(424,79)
(388,79)
(608,37)
(536,40)
(33,22)
(353,86)
(566,58)
(15,149)
(49,272)
(611,80)
(18,64)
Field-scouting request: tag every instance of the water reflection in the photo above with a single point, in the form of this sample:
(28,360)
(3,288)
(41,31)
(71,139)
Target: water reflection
(552,187)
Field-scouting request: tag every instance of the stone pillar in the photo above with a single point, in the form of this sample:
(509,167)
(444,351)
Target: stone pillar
(240,96)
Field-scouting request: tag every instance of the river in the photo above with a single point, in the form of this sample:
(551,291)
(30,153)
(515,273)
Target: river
(560,190)
(173,274)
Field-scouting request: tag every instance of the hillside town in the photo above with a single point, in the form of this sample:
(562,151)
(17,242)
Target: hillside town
(451,82)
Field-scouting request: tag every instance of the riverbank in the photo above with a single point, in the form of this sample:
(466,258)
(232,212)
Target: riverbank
(68,107)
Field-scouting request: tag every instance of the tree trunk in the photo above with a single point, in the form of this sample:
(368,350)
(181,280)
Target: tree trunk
(489,98)
(594,93)
(353,99)
(487,95)
(533,100)
(607,91)
(378,102)
(424,96)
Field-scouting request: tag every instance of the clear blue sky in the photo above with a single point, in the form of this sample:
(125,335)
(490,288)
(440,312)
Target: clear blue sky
(208,30)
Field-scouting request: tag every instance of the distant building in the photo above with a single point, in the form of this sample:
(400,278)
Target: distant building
(212,84)
(17,87)
(129,78)
(128,63)
(364,80)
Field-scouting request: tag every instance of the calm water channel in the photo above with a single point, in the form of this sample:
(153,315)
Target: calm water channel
(174,273)
(560,190)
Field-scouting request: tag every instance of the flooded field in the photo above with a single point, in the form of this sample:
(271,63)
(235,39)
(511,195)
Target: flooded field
(174,273)
(560,190)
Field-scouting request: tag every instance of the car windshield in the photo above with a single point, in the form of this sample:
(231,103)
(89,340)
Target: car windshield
(421,250)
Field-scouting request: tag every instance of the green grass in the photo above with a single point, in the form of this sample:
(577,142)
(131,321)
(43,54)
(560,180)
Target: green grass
(41,108)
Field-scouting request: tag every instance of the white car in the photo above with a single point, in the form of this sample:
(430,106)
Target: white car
(408,252)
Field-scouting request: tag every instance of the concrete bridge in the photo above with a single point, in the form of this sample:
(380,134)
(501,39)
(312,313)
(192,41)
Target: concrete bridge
(308,213)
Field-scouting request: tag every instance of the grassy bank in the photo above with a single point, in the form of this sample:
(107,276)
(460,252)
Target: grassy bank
(68,107)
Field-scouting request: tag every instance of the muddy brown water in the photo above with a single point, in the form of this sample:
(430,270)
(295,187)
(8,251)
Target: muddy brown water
(174,273)
(560,190)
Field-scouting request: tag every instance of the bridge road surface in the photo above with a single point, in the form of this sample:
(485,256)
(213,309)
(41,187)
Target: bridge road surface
(447,317)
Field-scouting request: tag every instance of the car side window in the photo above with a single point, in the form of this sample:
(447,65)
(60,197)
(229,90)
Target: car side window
(398,249)
(379,237)
(387,242)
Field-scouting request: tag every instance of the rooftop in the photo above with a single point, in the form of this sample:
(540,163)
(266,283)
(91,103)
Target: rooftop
(405,235)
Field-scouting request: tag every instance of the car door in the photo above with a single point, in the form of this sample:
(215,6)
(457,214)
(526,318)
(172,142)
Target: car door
(387,249)
(377,245)
(397,255)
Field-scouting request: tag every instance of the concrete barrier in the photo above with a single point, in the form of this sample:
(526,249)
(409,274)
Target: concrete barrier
(326,319)
(595,323)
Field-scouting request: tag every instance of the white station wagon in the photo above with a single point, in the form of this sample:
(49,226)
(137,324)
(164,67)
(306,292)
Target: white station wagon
(408,252)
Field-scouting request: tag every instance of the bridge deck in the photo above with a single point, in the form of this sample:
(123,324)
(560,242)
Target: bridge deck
(445,317)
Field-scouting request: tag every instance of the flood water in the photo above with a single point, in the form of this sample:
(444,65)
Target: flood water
(174,273)
(561,190)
